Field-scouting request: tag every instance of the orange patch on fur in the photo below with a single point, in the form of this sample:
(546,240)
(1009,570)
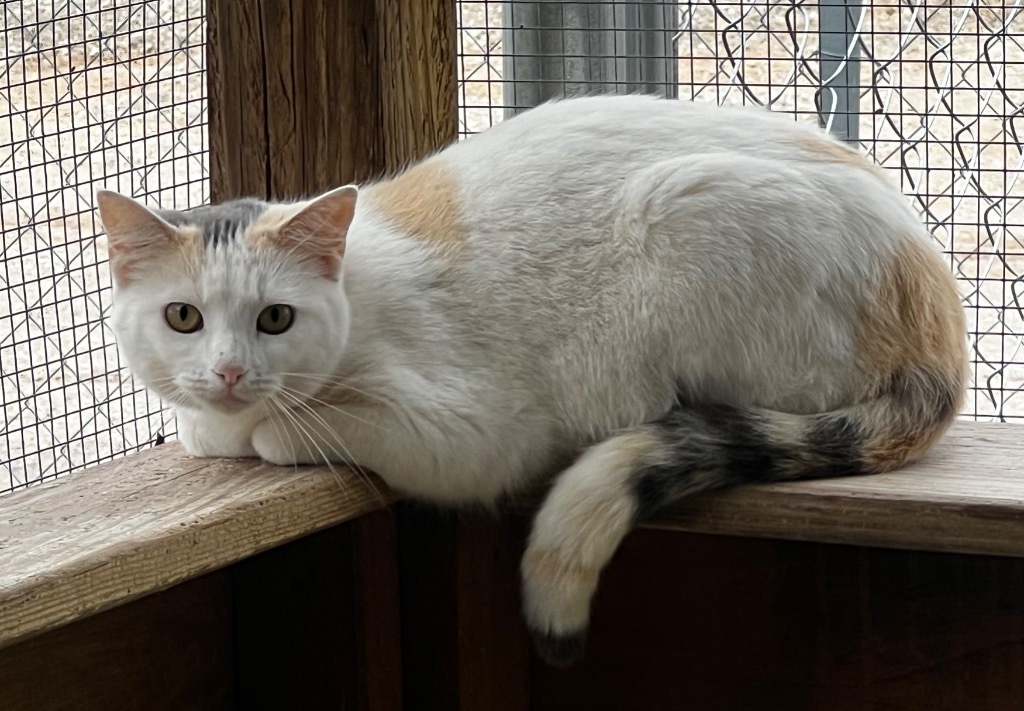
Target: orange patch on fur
(262,233)
(829,150)
(423,202)
(192,249)
(911,342)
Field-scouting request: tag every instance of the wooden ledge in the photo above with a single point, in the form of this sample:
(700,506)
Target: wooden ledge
(966,496)
(141,524)
(146,522)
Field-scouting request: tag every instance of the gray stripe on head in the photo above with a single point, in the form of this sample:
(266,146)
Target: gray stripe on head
(220,223)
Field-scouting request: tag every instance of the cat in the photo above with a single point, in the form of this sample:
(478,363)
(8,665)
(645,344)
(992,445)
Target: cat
(634,298)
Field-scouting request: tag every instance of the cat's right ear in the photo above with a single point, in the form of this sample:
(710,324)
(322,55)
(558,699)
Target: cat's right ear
(134,233)
(317,234)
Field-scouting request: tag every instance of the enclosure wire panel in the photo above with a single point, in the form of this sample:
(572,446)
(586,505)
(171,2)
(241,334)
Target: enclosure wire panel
(111,94)
(940,88)
(93,94)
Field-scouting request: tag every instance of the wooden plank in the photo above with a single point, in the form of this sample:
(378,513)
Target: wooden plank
(168,651)
(306,96)
(967,496)
(418,87)
(717,623)
(143,523)
(294,96)
(377,610)
(236,91)
(297,645)
(493,643)
(323,106)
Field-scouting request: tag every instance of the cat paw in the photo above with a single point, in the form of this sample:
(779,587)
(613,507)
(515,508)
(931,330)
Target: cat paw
(270,447)
(556,599)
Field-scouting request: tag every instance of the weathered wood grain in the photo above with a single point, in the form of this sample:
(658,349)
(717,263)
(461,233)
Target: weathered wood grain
(418,88)
(294,96)
(144,523)
(966,496)
(306,96)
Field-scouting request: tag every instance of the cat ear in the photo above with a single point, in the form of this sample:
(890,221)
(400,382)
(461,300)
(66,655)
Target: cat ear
(133,232)
(317,233)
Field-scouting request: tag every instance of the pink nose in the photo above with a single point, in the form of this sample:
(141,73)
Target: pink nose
(230,374)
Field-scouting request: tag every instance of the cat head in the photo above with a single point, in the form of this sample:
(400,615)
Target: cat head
(227,306)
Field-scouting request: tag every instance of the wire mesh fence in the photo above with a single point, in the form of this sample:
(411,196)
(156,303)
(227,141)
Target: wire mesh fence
(933,91)
(92,94)
(111,93)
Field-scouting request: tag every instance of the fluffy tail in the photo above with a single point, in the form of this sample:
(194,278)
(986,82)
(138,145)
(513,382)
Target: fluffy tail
(699,447)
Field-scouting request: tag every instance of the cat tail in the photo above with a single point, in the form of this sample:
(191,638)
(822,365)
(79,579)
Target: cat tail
(698,447)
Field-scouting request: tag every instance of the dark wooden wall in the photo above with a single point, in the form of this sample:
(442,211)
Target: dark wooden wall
(310,625)
(716,623)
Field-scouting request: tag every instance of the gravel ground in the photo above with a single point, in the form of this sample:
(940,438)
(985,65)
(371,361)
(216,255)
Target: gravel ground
(95,93)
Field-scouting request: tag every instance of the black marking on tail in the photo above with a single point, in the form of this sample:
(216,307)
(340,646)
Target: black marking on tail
(707,446)
(560,651)
(834,442)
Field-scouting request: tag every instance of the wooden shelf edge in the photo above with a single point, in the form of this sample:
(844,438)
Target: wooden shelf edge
(143,523)
(966,496)
(119,531)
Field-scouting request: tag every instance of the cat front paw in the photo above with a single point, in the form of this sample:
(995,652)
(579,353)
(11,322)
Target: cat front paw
(274,445)
(207,440)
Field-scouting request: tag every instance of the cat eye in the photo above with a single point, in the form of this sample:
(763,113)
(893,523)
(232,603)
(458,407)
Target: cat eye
(275,319)
(183,318)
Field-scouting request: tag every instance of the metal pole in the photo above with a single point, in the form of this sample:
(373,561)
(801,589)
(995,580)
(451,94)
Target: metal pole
(554,49)
(839,95)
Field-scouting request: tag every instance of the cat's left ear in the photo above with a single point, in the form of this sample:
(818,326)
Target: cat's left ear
(318,232)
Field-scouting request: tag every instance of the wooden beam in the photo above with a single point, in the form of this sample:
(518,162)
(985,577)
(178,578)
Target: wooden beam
(966,496)
(418,86)
(316,621)
(146,522)
(689,621)
(309,95)
(165,652)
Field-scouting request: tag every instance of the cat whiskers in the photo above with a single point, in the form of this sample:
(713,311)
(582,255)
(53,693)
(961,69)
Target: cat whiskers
(307,436)
(279,425)
(337,381)
(337,438)
(305,431)
(298,393)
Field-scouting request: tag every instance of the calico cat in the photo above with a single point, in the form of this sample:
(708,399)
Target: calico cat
(668,297)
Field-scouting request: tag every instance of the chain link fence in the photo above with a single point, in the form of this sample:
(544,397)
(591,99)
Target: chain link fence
(111,93)
(92,94)
(933,91)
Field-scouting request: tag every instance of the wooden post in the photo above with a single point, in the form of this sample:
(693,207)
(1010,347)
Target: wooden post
(305,95)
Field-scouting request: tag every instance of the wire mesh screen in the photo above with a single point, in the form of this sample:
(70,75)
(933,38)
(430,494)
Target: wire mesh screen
(933,91)
(93,93)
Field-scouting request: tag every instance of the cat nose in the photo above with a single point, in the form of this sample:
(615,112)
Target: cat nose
(230,374)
